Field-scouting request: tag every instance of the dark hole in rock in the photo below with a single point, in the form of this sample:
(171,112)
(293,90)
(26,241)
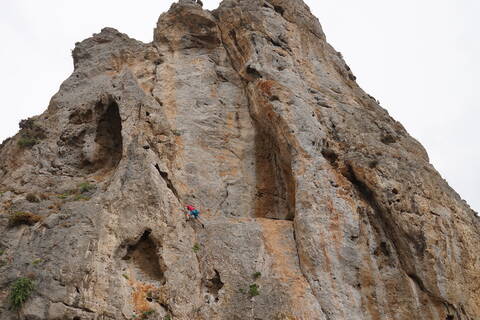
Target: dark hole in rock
(330,155)
(373,164)
(147,114)
(450,317)
(214,285)
(388,139)
(394,191)
(417,280)
(108,138)
(384,248)
(146,147)
(144,256)
(274,98)
(279,10)
(253,72)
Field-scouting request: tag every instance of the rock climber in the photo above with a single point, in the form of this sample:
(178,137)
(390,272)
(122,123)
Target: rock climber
(192,212)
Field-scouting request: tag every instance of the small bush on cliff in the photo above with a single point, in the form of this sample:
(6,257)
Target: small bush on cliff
(253,290)
(37,261)
(27,142)
(80,197)
(256,275)
(31,133)
(147,314)
(85,187)
(32,198)
(63,196)
(196,247)
(20,291)
(19,218)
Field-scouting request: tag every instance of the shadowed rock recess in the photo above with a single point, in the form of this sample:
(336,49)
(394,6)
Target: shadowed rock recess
(316,203)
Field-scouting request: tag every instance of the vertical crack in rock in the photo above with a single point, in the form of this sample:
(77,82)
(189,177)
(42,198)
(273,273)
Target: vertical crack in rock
(448,306)
(167,180)
(390,232)
(301,267)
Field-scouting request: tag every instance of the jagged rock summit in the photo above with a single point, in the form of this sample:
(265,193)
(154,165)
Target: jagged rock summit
(316,204)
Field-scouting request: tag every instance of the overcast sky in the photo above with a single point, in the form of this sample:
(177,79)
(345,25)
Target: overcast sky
(419,58)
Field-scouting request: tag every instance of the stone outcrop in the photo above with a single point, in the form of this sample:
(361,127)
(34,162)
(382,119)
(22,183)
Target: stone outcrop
(315,203)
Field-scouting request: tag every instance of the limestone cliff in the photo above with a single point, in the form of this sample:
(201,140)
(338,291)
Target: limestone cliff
(316,204)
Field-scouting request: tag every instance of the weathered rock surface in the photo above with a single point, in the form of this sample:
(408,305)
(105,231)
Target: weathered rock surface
(316,204)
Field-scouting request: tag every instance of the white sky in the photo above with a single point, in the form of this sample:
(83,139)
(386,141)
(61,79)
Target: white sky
(419,58)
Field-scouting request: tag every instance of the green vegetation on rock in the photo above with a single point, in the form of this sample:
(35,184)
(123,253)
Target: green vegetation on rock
(20,291)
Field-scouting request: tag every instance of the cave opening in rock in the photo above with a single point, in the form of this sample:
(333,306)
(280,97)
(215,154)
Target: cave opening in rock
(279,10)
(108,138)
(275,184)
(144,257)
(214,285)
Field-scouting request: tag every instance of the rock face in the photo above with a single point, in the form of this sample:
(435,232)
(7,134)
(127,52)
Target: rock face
(316,204)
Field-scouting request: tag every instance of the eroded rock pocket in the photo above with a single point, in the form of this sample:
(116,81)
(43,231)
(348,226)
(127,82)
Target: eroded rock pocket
(213,286)
(275,195)
(108,137)
(144,260)
(93,140)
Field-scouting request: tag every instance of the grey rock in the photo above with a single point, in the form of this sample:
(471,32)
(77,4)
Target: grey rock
(315,203)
